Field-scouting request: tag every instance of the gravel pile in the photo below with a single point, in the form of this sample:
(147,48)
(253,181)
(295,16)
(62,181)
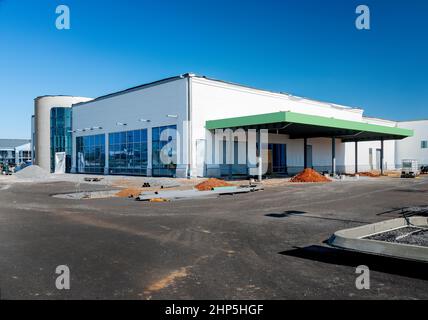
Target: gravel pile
(33,173)
(405,235)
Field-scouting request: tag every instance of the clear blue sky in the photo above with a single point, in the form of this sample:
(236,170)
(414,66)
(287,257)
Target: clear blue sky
(305,47)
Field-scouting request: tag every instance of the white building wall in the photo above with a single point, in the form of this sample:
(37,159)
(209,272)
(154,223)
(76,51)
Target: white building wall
(210,100)
(152,103)
(410,148)
(321,153)
(367,162)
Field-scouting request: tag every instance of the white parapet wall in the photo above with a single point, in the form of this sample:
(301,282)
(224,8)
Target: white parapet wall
(413,147)
(145,107)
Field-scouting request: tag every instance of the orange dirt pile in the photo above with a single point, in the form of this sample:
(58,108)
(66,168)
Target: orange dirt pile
(309,175)
(211,183)
(369,174)
(126,193)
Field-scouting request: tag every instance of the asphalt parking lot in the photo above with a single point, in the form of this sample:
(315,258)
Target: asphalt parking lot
(263,245)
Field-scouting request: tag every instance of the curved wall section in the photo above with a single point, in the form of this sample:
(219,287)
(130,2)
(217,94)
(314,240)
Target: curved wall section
(42,125)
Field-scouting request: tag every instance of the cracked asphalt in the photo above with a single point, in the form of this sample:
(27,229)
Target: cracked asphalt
(263,245)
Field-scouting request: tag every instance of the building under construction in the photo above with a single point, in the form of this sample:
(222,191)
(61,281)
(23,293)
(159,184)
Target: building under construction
(130,132)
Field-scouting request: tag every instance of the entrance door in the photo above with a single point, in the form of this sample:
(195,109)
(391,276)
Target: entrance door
(277,158)
(309,153)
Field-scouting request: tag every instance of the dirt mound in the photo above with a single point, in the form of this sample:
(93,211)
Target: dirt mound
(309,175)
(211,183)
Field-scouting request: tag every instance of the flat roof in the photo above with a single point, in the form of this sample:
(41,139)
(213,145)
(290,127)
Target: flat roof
(299,125)
(11,144)
(192,75)
(146,85)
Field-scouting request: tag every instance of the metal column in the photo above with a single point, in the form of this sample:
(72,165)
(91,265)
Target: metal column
(356,156)
(259,156)
(305,153)
(381,156)
(333,156)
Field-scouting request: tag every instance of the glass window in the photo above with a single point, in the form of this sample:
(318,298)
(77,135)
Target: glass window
(155,134)
(424,144)
(137,136)
(90,154)
(130,137)
(125,155)
(164,159)
(60,135)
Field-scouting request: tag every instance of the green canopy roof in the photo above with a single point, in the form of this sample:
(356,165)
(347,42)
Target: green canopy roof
(299,125)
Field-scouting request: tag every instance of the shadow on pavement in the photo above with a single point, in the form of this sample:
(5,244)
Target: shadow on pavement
(411,269)
(285,214)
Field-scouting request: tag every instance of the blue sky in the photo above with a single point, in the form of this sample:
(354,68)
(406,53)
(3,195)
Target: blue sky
(309,48)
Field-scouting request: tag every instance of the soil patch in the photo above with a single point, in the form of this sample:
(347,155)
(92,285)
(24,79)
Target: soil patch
(212,183)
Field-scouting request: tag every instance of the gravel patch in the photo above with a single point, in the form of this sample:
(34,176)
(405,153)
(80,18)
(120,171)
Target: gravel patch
(406,235)
(33,172)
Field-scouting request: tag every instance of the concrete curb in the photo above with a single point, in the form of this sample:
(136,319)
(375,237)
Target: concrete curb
(352,239)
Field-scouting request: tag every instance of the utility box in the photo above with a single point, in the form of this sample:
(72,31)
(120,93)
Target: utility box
(410,169)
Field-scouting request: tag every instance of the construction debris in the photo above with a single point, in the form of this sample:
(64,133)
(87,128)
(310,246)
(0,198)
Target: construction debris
(212,183)
(90,179)
(309,175)
(158,200)
(129,193)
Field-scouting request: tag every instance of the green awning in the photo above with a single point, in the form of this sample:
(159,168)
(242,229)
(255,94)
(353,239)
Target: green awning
(299,125)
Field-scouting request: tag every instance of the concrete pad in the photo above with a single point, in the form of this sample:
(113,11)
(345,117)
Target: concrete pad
(189,194)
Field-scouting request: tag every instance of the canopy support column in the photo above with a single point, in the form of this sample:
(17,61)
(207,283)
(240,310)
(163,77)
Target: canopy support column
(356,156)
(381,156)
(333,155)
(305,153)
(259,156)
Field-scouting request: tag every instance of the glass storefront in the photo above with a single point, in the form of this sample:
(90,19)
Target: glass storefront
(61,135)
(128,153)
(90,152)
(164,151)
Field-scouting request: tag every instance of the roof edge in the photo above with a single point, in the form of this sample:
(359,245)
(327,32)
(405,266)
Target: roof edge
(136,88)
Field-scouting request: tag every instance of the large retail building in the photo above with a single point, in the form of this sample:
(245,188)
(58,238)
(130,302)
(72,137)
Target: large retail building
(129,132)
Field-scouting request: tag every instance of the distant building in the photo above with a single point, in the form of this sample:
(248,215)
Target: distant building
(15,151)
